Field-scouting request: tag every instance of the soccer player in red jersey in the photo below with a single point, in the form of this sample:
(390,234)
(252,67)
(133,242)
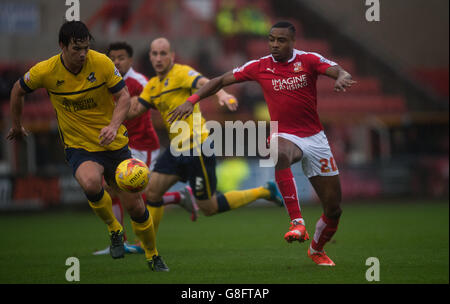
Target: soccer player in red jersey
(288,79)
(143,141)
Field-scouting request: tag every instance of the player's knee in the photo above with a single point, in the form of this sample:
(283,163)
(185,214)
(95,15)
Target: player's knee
(91,185)
(136,208)
(283,161)
(208,208)
(153,196)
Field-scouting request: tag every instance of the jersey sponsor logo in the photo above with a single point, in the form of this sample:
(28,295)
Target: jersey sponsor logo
(66,104)
(79,105)
(291,83)
(298,66)
(85,104)
(271,70)
(59,82)
(91,77)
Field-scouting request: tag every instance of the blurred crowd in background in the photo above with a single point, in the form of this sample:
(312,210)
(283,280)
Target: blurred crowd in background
(389,133)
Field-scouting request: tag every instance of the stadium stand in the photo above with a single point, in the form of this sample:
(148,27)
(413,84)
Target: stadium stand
(386,100)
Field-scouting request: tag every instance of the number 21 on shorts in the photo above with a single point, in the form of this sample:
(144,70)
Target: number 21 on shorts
(326,164)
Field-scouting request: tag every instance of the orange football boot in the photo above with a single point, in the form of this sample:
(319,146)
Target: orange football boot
(320,258)
(297,232)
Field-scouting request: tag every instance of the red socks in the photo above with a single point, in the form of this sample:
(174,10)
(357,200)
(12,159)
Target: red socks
(171,198)
(286,183)
(325,229)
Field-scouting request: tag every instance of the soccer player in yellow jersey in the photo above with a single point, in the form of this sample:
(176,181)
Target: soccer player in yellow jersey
(91,101)
(172,85)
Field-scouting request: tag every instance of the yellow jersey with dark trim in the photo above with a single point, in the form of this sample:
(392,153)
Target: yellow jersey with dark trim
(83,102)
(167,94)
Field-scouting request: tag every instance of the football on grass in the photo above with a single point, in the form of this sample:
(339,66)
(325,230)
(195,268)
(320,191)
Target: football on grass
(132,175)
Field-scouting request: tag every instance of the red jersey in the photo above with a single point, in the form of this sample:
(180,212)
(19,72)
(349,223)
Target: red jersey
(289,89)
(141,134)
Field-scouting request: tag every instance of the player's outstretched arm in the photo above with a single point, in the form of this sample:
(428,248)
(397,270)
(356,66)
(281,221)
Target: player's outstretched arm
(343,78)
(17,131)
(136,108)
(108,133)
(210,88)
(223,97)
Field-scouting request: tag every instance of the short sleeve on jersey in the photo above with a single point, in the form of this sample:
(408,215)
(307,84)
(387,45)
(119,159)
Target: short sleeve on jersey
(32,80)
(247,72)
(189,77)
(114,80)
(145,103)
(145,97)
(320,63)
(117,87)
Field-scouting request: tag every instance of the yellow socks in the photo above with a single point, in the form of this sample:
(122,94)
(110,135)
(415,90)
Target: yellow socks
(143,229)
(102,206)
(157,212)
(236,199)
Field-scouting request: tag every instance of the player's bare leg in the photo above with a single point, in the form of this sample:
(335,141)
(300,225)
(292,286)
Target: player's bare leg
(208,207)
(328,188)
(184,198)
(287,154)
(90,177)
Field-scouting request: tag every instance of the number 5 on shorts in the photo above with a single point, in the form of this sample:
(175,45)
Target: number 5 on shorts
(325,168)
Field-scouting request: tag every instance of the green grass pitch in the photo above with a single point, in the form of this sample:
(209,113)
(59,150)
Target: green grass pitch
(245,246)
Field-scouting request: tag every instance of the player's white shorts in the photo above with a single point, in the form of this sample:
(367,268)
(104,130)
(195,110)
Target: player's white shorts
(147,156)
(317,157)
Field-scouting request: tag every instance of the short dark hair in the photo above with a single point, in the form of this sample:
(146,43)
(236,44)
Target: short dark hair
(120,46)
(285,24)
(74,31)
